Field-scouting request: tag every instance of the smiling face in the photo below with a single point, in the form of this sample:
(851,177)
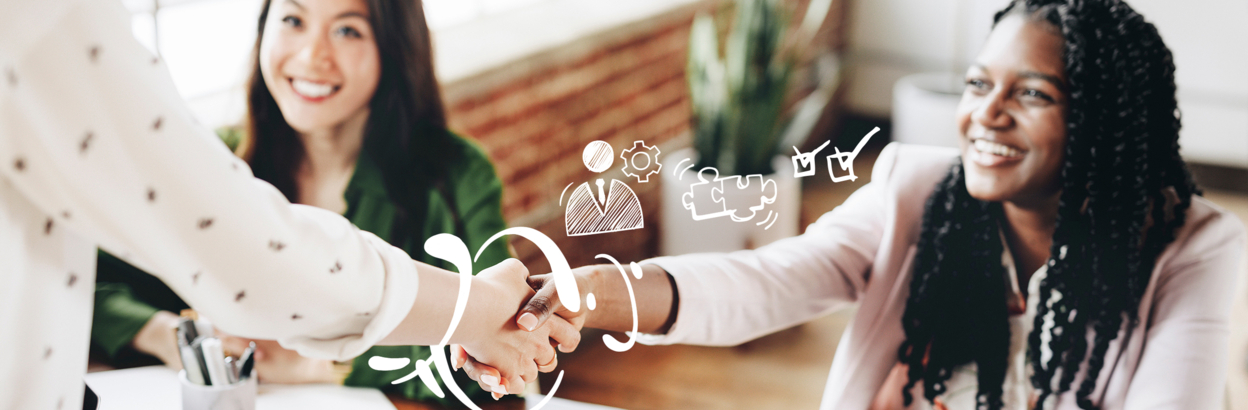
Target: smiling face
(319,60)
(1013,114)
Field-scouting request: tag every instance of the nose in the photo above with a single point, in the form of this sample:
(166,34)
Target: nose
(316,54)
(991,112)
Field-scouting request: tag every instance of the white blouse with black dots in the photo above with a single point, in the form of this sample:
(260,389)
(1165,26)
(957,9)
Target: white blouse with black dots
(98,149)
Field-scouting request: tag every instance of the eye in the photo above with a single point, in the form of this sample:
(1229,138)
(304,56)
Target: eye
(292,21)
(348,32)
(1034,93)
(976,85)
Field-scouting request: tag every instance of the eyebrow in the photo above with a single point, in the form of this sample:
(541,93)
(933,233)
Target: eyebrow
(1057,82)
(351,14)
(340,16)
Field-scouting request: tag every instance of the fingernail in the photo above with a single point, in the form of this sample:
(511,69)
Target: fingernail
(490,380)
(560,347)
(496,396)
(527,321)
(499,389)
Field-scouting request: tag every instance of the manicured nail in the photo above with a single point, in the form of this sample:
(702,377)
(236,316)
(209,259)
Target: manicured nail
(499,389)
(496,396)
(528,321)
(459,362)
(489,380)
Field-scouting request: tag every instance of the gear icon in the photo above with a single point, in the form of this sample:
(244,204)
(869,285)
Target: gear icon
(641,161)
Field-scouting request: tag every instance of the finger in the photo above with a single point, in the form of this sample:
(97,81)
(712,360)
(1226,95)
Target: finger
(458,356)
(549,367)
(545,354)
(515,385)
(538,281)
(565,335)
(539,308)
(486,376)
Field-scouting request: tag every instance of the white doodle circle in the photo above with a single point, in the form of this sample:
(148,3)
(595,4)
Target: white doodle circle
(598,156)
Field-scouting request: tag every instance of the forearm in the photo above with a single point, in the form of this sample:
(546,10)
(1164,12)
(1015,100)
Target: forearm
(657,300)
(430,316)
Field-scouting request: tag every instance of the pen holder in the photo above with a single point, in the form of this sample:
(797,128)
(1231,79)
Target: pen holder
(237,396)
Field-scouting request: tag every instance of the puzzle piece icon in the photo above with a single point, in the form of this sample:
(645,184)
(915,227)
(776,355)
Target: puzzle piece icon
(695,200)
(739,204)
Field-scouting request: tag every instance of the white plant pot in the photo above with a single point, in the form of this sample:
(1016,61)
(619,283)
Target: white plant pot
(681,234)
(923,109)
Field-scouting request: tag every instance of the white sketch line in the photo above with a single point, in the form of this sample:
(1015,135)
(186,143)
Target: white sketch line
(806,159)
(846,159)
(565,190)
(676,171)
(584,215)
(609,340)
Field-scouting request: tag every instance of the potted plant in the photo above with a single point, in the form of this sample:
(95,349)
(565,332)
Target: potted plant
(741,125)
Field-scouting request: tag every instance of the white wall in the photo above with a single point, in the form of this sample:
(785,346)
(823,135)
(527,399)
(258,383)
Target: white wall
(889,39)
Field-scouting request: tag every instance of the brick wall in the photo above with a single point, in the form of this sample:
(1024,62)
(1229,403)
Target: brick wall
(534,120)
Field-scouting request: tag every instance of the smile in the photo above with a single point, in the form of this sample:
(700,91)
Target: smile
(990,153)
(313,91)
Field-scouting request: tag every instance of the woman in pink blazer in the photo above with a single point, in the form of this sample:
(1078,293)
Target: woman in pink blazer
(1062,258)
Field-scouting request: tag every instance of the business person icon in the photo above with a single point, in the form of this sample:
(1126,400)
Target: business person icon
(593,211)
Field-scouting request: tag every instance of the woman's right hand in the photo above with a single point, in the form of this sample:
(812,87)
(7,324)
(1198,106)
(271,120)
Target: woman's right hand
(159,338)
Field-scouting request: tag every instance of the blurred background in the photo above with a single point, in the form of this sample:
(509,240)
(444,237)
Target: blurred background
(534,81)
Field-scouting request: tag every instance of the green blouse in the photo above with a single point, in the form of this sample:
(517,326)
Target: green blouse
(126,297)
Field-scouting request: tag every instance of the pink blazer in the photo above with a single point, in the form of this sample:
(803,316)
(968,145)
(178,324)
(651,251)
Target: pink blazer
(861,253)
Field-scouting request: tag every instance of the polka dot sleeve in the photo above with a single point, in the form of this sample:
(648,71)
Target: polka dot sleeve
(94,134)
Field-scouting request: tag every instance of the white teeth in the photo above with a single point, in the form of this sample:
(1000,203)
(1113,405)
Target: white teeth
(311,89)
(990,147)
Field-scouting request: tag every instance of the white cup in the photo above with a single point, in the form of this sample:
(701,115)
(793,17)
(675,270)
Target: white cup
(237,396)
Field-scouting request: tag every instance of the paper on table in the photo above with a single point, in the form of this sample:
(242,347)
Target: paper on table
(562,404)
(156,388)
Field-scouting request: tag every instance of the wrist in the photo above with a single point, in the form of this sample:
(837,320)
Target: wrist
(595,279)
(158,337)
(482,315)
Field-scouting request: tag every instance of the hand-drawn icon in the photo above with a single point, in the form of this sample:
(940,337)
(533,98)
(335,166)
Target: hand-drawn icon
(846,159)
(452,249)
(736,197)
(804,163)
(615,210)
(642,159)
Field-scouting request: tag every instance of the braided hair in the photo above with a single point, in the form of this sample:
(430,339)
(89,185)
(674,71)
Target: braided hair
(1125,191)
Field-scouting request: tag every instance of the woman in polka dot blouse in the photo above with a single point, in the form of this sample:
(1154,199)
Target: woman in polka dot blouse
(97,149)
(327,127)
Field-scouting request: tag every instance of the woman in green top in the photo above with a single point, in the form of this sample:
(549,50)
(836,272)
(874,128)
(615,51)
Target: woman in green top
(345,114)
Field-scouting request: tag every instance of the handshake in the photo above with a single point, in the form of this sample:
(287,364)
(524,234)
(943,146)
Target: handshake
(531,325)
(509,323)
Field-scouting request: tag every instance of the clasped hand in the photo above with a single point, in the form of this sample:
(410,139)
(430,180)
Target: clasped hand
(543,310)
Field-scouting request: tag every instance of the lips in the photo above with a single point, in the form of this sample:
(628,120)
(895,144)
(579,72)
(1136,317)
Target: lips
(989,153)
(313,91)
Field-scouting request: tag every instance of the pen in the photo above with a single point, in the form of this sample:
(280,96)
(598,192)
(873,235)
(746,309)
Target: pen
(231,371)
(247,361)
(190,362)
(215,358)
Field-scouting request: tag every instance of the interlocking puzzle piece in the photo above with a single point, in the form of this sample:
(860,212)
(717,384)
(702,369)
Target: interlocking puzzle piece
(745,207)
(708,184)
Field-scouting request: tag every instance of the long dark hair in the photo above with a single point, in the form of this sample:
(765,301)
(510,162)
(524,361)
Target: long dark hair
(405,135)
(1125,191)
